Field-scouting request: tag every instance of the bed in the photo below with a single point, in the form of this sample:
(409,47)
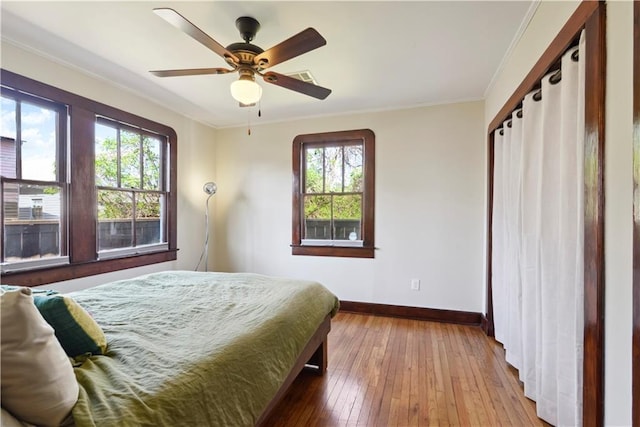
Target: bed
(192,348)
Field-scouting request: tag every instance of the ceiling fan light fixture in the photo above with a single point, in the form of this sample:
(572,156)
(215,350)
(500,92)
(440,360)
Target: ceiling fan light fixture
(245,90)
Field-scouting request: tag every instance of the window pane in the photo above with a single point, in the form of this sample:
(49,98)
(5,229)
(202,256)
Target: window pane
(317,217)
(151,163)
(148,218)
(8,123)
(313,170)
(115,219)
(130,160)
(39,140)
(32,221)
(8,141)
(353,171)
(106,156)
(347,216)
(333,169)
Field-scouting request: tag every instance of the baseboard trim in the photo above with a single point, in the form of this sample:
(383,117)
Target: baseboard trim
(420,313)
(484,324)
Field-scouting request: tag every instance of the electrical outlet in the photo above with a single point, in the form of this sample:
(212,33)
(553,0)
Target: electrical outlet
(415,284)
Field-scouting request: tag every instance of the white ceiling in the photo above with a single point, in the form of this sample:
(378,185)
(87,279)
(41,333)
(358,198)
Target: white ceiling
(379,55)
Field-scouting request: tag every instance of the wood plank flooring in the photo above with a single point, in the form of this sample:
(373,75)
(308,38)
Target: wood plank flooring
(396,372)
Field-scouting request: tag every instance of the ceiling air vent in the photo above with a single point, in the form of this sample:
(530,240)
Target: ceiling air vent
(305,76)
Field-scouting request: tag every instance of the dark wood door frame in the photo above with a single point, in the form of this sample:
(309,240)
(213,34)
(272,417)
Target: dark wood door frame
(636,217)
(590,15)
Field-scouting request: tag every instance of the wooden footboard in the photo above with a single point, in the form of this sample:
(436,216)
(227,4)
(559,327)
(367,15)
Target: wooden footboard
(313,356)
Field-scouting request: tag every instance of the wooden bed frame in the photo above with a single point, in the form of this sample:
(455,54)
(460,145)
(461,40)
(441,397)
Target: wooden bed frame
(313,356)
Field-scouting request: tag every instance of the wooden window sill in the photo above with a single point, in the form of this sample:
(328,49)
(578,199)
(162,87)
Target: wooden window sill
(335,251)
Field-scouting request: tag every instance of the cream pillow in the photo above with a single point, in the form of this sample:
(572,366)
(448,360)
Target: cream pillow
(37,381)
(9,420)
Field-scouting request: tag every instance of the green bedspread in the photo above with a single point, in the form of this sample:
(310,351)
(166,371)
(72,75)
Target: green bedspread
(194,349)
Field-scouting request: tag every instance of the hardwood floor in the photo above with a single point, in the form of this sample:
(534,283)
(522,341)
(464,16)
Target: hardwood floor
(396,372)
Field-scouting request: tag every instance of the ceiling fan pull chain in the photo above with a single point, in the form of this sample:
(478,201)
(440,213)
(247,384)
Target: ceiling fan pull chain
(248,123)
(260,108)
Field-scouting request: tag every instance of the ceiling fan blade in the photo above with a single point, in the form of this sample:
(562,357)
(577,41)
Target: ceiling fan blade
(190,72)
(302,42)
(183,24)
(297,85)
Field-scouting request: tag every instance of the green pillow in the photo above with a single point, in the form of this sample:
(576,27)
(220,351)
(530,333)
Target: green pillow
(76,330)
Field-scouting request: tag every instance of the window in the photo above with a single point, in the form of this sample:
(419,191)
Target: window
(333,194)
(85,188)
(33,180)
(130,189)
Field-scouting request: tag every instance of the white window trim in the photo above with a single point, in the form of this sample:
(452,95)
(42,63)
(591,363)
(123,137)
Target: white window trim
(33,264)
(328,242)
(138,250)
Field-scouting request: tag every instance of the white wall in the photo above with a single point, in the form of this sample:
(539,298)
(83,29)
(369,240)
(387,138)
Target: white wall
(429,207)
(195,152)
(618,213)
(546,23)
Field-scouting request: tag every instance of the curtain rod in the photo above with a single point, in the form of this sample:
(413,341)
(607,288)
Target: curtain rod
(554,79)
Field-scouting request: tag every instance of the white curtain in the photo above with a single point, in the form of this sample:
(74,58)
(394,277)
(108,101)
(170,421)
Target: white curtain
(537,251)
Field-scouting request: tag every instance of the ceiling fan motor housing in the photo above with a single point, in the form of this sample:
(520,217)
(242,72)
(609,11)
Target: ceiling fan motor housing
(246,51)
(248,27)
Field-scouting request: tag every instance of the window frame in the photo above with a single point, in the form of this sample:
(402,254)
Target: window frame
(366,137)
(119,186)
(82,203)
(60,181)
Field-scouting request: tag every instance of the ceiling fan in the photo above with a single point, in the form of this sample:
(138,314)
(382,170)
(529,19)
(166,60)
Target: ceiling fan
(248,59)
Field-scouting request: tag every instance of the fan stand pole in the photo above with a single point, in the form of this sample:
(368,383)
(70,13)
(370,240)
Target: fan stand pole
(205,249)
